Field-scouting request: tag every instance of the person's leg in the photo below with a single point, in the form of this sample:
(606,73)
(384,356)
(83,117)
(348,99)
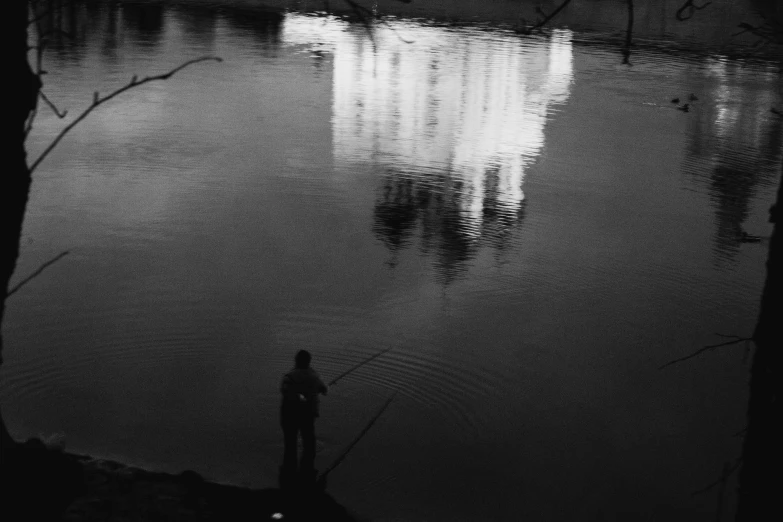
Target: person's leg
(290,436)
(308,439)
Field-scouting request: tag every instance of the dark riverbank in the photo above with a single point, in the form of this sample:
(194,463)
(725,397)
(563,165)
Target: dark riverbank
(49,484)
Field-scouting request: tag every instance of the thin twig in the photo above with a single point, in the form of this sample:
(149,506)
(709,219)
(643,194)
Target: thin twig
(691,8)
(28,126)
(98,100)
(39,50)
(52,106)
(36,273)
(547,18)
(724,476)
(362,13)
(764,33)
(746,354)
(706,349)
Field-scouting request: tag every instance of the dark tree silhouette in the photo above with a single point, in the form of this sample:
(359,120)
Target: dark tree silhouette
(22,98)
(760,480)
(36,481)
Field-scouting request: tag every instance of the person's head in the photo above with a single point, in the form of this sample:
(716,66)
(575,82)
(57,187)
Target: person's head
(302,359)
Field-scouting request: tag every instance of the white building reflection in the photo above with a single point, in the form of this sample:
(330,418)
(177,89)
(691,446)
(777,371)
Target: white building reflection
(450,101)
(458,112)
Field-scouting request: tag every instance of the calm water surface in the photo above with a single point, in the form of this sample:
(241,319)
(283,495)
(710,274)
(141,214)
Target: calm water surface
(530,225)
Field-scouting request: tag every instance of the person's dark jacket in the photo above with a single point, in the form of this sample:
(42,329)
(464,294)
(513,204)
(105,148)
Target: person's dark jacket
(300,389)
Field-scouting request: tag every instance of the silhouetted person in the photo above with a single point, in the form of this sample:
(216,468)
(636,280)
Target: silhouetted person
(299,408)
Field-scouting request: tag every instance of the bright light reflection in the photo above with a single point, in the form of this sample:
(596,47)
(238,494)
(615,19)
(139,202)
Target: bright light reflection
(457,102)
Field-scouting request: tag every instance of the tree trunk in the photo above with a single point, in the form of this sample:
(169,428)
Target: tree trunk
(15,184)
(760,479)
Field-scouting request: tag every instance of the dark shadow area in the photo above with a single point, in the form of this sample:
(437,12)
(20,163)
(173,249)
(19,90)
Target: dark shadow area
(41,482)
(198,24)
(69,25)
(397,211)
(64,26)
(264,24)
(49,484)
(144,23)
(111,41)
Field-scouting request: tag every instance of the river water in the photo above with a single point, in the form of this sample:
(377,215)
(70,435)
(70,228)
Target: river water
(528,223)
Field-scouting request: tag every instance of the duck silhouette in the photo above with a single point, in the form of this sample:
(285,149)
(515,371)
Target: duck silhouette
(692,97)
(684,107)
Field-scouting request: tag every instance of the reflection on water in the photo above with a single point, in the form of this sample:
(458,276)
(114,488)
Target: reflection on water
(265,26)
(143,23)
(740,139)
(199,26)
(453,119)
(115,24)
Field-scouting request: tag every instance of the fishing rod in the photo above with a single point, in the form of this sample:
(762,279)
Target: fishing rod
(334,381)
(322,478)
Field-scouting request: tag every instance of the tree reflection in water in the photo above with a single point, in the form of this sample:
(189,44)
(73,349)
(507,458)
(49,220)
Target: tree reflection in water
(434,205)
(742,144)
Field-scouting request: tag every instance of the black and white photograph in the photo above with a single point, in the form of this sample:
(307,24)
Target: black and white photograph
(392,261)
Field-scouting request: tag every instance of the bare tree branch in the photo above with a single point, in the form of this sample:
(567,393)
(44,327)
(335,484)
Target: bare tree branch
(746,354)
(764,33)
(98,100)
(726,473)
(688,9)
(546,19)
(39,50)
(36,273)
(28,126)
(362,12)
(365,15)
(52,106)
(706,349)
